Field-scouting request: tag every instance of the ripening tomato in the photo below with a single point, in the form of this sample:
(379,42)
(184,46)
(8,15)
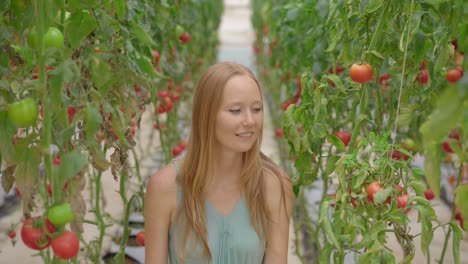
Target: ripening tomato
(344,136)
(372,189)
(23,113)
(66,246)
(140,238)
(361,73)
(60,214)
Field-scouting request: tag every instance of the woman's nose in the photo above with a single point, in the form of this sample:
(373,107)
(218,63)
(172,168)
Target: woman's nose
(249,118)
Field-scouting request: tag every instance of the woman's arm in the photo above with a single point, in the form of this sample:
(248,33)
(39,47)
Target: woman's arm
(280,211)
(160,202)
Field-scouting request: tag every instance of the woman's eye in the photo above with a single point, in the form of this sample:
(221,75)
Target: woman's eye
(256,110)
(235,111)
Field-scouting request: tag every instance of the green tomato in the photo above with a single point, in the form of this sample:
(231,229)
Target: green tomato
(53,38)
(23,113)
(33,38)
(60,214)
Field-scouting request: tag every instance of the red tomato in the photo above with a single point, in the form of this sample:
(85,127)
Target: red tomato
(163,94)
(423,76)
(279,132)
(338,69)
(140,238)
(344,136)
(429,194)
(384,78)
(402,200)
(71,113)
(35,238)
(66,246)
(333,196)
(156,56)
(57,161)
(184,38)
(176,151)
(175,96)
(12,234)
(361,73)
(454,75)
(372,189)
(446,146)
(397,155)
(183,144)
(399,187)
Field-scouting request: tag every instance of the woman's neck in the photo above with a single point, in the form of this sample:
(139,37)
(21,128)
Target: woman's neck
(227,170)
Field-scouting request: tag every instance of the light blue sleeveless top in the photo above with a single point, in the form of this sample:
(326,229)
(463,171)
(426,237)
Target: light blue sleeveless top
(231,238)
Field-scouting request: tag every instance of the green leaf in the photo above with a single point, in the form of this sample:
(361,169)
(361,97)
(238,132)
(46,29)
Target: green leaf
(72,163)
(292,14)
(457,237)
(325,221)
(380,197)
(461,196)
(325,253)
(142,35)
(80,25)
(8,130)
(101,73)
(336,141)
(373,5)
(27,171)
(290,129)
(444,56)
(93,120)
(418,187)
(432,153)
(120,8)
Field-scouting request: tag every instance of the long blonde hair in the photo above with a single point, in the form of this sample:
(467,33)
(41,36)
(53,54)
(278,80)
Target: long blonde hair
(198,163)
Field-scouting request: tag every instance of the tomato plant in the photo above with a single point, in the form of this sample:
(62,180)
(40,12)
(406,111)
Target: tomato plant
(403,116)
(94,71)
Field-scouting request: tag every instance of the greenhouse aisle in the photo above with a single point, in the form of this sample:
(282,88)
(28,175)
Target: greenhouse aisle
(236,37)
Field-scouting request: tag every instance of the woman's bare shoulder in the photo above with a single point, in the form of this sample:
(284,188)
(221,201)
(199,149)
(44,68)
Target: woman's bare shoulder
(163,182)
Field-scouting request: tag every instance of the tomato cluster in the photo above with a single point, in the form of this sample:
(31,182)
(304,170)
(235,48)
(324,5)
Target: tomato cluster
(41,232)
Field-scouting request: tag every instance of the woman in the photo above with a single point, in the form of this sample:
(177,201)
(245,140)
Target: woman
(224,202)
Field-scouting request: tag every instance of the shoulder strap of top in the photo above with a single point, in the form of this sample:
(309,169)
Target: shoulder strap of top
(178,169)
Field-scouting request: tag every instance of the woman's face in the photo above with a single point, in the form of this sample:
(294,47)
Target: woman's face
(240,119)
